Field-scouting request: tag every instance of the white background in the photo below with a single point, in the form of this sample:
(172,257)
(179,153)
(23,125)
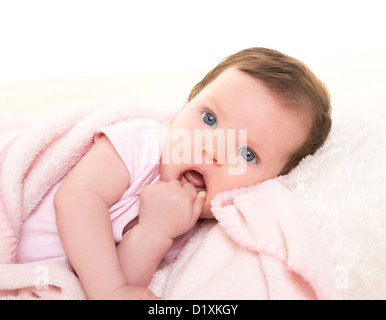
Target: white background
(65,38)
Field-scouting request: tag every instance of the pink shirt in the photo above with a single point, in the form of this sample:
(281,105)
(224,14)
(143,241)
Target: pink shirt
(139,143)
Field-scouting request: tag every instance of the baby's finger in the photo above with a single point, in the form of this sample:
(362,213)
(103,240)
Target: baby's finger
(198,204)
(177,182)
(190,190)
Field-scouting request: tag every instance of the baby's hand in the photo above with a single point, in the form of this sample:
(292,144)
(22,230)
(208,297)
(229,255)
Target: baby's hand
(170,208)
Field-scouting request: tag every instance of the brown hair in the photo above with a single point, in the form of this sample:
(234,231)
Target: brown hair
(292,82)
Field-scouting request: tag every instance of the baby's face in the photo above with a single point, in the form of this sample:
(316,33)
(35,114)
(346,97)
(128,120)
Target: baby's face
(233,134)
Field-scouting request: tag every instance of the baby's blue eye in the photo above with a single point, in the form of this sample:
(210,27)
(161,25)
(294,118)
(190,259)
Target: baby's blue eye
(248,155)
(209,119)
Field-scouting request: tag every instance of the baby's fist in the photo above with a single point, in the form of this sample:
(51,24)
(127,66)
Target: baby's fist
(170,208)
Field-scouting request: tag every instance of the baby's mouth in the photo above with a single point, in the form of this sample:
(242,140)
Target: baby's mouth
(195,178)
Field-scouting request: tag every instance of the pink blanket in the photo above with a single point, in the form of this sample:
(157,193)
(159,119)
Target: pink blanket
(265,245)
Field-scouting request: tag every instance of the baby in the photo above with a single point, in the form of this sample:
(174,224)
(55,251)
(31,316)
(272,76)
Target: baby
(137,195)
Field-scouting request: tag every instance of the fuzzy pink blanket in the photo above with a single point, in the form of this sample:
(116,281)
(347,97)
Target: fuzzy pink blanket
(265,246)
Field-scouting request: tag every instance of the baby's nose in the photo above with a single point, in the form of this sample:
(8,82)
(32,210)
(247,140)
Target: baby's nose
(211,152)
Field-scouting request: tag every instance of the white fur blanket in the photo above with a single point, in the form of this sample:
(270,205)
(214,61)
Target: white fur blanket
(265,245)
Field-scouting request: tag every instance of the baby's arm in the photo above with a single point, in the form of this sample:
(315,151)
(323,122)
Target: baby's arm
(81,204)
(167,210)
(140,254)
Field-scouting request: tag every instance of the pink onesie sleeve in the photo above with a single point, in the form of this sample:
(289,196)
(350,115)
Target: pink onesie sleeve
(139,143)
